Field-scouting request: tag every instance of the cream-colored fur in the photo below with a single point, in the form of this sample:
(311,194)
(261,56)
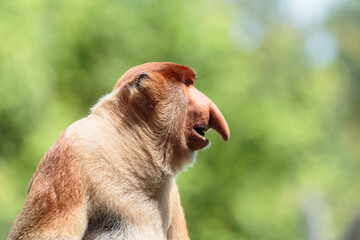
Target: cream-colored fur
(111,175)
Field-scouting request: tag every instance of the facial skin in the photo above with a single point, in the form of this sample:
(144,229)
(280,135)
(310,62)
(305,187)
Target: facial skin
(111,175)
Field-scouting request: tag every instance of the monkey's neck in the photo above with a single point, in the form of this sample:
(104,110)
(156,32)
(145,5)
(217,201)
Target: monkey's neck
(143,160)
(156,145)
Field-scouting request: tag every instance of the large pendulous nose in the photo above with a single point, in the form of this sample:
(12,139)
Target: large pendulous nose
(216,119)
(218,122)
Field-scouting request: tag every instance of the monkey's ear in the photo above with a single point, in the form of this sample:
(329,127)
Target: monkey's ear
(140,78)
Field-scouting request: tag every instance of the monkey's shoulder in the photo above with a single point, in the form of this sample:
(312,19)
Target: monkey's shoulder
(58,170)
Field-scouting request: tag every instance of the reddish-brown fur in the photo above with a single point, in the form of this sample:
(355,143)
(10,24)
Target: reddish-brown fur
(112,174)
(51,199)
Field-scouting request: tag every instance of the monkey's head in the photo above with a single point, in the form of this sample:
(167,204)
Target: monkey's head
(161,97)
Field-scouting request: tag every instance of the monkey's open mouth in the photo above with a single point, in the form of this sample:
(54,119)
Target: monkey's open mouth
(202,129)
(196,139)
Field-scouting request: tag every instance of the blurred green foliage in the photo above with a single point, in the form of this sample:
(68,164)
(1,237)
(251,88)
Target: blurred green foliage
(294,120)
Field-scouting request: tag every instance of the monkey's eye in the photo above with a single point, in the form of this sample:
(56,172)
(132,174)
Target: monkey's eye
(187,83)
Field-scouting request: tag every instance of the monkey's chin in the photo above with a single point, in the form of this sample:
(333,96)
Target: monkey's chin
(195,141)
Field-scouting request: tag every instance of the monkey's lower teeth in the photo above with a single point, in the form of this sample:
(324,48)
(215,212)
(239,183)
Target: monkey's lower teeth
(200,131)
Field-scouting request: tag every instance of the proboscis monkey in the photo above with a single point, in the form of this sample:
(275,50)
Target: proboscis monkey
(111,175)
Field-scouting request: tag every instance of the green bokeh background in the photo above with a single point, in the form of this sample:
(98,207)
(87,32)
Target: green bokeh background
(288,86)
